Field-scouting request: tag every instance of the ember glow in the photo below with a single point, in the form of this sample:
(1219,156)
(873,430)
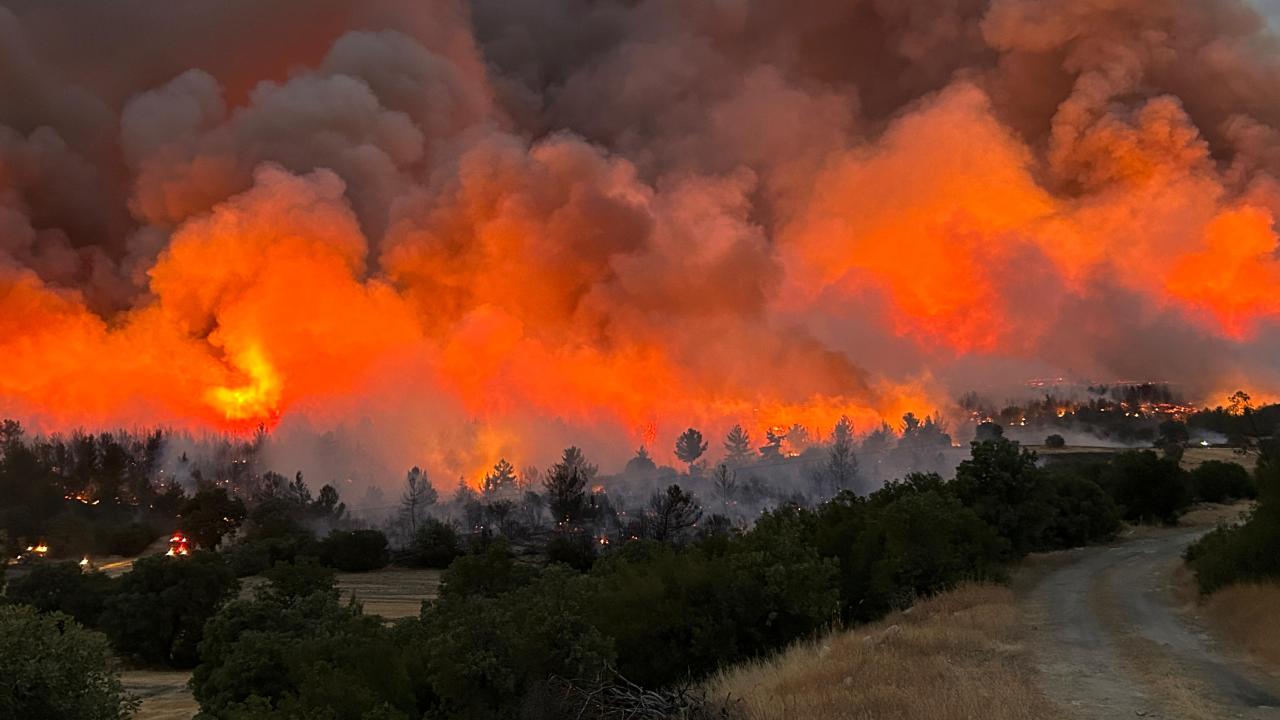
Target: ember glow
(483,229)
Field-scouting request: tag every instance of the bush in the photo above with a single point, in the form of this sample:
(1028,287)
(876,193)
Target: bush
(65,588)
(678,613)
(918,545)
(129,540)
(1241,553)
(1083,512)
(435,545)
(301,578)
(354,550)
(483,656)
(1055,441)
(53,668)
(1218,481)
(1147,488)
(210,515)
(1246,552)
(575,549)
(490,573)
(1002,485)
(158,611)
(253,556)
(277,656)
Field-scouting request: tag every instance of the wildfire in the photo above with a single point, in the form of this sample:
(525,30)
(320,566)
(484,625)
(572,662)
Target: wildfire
(179,545)
(478,281)
(256,400)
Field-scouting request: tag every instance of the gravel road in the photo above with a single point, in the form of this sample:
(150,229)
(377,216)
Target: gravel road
(1113,641)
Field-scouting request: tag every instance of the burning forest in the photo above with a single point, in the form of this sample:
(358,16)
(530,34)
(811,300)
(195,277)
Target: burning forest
(466,230)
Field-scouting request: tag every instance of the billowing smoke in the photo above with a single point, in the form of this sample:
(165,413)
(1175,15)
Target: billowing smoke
(462,230)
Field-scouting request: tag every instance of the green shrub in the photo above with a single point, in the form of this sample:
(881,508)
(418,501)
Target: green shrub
(254,555)
(435,545)
(575,549)
(129,540)
(483,656)
(1083,512)
(56,670)
(1002,485)
(210,515)
(1249,551)
(62,587)
(354,550)
(675,613)
(279,656)
(1218,481)
(1147,487)
(490,573)
(158,611)
(300,578)
(918,545)
(1240,553)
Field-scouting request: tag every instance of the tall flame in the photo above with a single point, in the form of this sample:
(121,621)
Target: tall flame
(259,398)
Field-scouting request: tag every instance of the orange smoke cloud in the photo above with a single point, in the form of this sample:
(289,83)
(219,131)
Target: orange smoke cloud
(489,241)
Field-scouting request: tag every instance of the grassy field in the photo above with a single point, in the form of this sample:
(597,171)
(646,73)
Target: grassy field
(958,655)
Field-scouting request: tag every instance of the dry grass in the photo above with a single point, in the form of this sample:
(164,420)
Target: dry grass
(957,656)
(1245,615)
(165,695)
(392,592)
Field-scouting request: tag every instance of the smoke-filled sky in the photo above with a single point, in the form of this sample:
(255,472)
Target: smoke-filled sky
(470,229)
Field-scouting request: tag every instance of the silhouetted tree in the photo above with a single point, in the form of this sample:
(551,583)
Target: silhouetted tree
(1172,432)
(573,457)
(737,446)
(418,496)
(210,515)
(841,469)
(566,486)
(725,482)
(988,431)
(690,446)
(328,506)
(641,463)
(500,480)
(798,438)
(670,513)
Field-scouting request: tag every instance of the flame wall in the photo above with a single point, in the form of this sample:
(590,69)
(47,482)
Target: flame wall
(499,226)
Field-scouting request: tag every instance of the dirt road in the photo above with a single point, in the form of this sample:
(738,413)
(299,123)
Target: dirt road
(1113,641)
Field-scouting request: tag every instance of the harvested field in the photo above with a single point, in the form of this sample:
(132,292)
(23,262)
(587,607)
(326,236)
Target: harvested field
(391,592)
(164,694)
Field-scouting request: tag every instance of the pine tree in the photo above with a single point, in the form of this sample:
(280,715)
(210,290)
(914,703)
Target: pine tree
(690,446)
(670,513)
(566,486)
(737,446)
(500,480)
